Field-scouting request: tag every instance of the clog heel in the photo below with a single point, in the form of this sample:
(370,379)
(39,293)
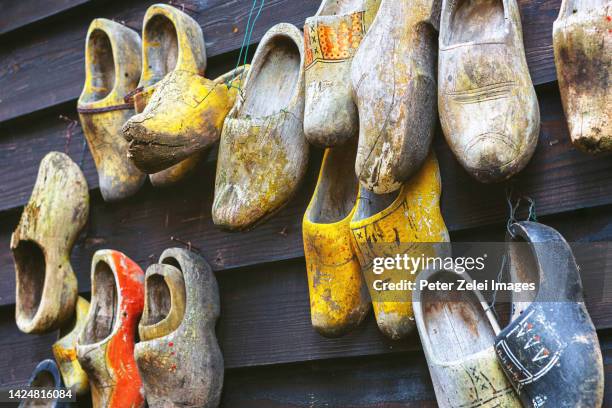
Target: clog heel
(45,375)
(331,39)
(172,41)
(184,117)
(550,350)
(582,40)
(112,68)
(262,152)
(339,299)
(42,243)
(178,355)
(457,330)
(483,73)
(407,222)
(64,351)
(394,84)
(105,347)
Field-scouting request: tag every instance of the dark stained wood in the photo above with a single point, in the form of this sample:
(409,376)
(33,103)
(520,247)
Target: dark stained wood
(16,14)
(45,68)
(559,177)
(394,380)
(265,316)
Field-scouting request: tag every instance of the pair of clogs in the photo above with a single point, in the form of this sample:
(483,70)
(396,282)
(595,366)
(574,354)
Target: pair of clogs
(549,354)
(179,112)
(345,230)
(488,107)
(177,361)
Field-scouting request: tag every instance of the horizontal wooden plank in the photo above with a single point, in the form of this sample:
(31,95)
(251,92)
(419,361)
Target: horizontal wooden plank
(265,317)
(382,381)
(559,178)
(17,14)
(46,68)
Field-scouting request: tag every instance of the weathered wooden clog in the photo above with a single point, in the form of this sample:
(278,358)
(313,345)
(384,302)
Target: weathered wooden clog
(46,290)
(339,299)
(488,106)
(64,351)
(45,375)
(407,222)
(262,152)
(394,84)
(112,68)
(331,39)
(105,347)
(184,117)
(550,351)
(582,40)
(457,330)
(171,41)
(179,356)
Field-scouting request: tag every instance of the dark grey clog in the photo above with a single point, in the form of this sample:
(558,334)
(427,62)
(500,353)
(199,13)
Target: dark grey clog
(550,351)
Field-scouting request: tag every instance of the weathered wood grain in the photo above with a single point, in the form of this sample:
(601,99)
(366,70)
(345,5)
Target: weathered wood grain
(45,68)
(16,14)
(393,380)
(559,177)
(265,315)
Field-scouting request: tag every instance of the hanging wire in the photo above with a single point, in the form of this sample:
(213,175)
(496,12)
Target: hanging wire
(246,41)
(512,211)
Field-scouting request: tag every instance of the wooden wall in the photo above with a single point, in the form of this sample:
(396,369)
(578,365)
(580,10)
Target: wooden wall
(273,357)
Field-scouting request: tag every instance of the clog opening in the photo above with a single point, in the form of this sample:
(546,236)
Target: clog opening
(476,20)
(524,269)
(43,379)
(104,305)
(338,187)
(275,82)
(161,46)
(158,300)
(371,204)
(101,67)
(30,264)
(455,322)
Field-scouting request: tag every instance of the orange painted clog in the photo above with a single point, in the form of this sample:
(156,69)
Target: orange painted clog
(105,347)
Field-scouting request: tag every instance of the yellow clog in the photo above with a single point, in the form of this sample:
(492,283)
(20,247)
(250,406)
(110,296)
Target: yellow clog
(404,223)
(338,297)
(171,41)
(184,117)
(64,351)
(112,68)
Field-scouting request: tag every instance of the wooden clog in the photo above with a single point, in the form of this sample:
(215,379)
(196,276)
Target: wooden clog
(339,299)
(50,224)
(582,40)
(184,117)
(112,68)
(262,152)
(331,39)
(179,356)
(394,84)
(171,41)
(105,347)
(45,375)
(457,330)
(550,351)
(64,351)
(488,106)
(400,223)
